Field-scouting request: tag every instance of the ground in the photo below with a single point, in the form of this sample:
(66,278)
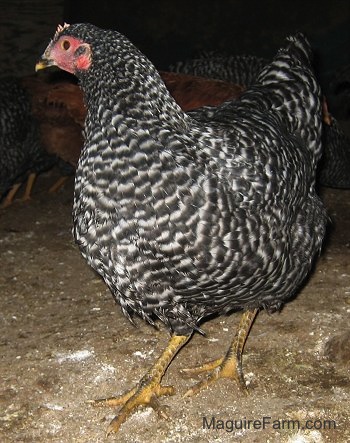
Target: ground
(63,342)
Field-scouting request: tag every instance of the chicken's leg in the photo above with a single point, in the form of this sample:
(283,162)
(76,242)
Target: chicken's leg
(8,200)
(229,366)
(147,391)
(58,184)
(29,186)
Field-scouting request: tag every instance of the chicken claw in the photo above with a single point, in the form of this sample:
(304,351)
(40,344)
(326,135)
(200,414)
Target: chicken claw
(229,366)
(147,391)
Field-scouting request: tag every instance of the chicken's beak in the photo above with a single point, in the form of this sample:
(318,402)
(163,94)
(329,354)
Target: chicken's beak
(44,63)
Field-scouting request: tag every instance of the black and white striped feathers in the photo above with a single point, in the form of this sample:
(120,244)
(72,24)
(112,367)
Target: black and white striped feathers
(186,215)
(334,170)
(239,69)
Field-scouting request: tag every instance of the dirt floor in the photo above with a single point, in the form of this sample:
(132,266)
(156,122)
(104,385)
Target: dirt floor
(63,341)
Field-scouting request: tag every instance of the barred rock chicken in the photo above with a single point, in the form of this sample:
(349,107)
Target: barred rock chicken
(21,152)
(239,69)
(334,167)
(189,216)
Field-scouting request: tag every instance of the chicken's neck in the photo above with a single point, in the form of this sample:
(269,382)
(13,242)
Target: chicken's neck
(134,92)
(131,126)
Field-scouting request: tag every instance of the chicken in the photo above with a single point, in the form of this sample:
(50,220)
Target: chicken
(191,215)
(334,167)
(192,92)
(62,122)
(21,151)
(70,96)
(57,105)
(59,133)
(238,69)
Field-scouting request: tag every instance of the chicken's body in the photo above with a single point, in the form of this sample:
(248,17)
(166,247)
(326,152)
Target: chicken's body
(187,215)
(183,218)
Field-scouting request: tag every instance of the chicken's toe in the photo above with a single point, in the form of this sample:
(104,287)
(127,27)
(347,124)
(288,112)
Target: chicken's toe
(229,366)
(148,390)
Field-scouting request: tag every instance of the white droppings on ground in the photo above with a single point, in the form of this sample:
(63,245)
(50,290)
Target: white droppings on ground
(249,376)
(74,356)
(143,355)
(53,407)
(104,373)
(54,428)
(312,436)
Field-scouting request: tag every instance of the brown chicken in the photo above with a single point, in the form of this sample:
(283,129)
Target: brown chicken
(59,107)
(53,105)
(192,92)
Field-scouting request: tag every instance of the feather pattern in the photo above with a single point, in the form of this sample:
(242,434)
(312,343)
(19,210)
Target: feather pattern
(186,215)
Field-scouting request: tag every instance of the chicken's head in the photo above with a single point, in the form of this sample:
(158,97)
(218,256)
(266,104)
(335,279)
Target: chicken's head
(66,52)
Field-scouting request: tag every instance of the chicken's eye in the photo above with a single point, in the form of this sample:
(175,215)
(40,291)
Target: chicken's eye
(65,45)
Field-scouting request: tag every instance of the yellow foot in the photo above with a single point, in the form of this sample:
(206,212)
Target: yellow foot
(148,390)
(226,367)
(229,366)
(145,394)
(206,367)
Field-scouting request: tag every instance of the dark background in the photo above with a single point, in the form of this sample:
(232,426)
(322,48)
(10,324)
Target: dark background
(171,30)
(168,31)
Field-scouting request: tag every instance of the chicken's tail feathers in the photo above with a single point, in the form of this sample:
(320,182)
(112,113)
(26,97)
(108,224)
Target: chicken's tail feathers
(298,48)
(292,92)
(295,55)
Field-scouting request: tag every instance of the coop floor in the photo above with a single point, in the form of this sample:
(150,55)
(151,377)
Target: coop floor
(63,341)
